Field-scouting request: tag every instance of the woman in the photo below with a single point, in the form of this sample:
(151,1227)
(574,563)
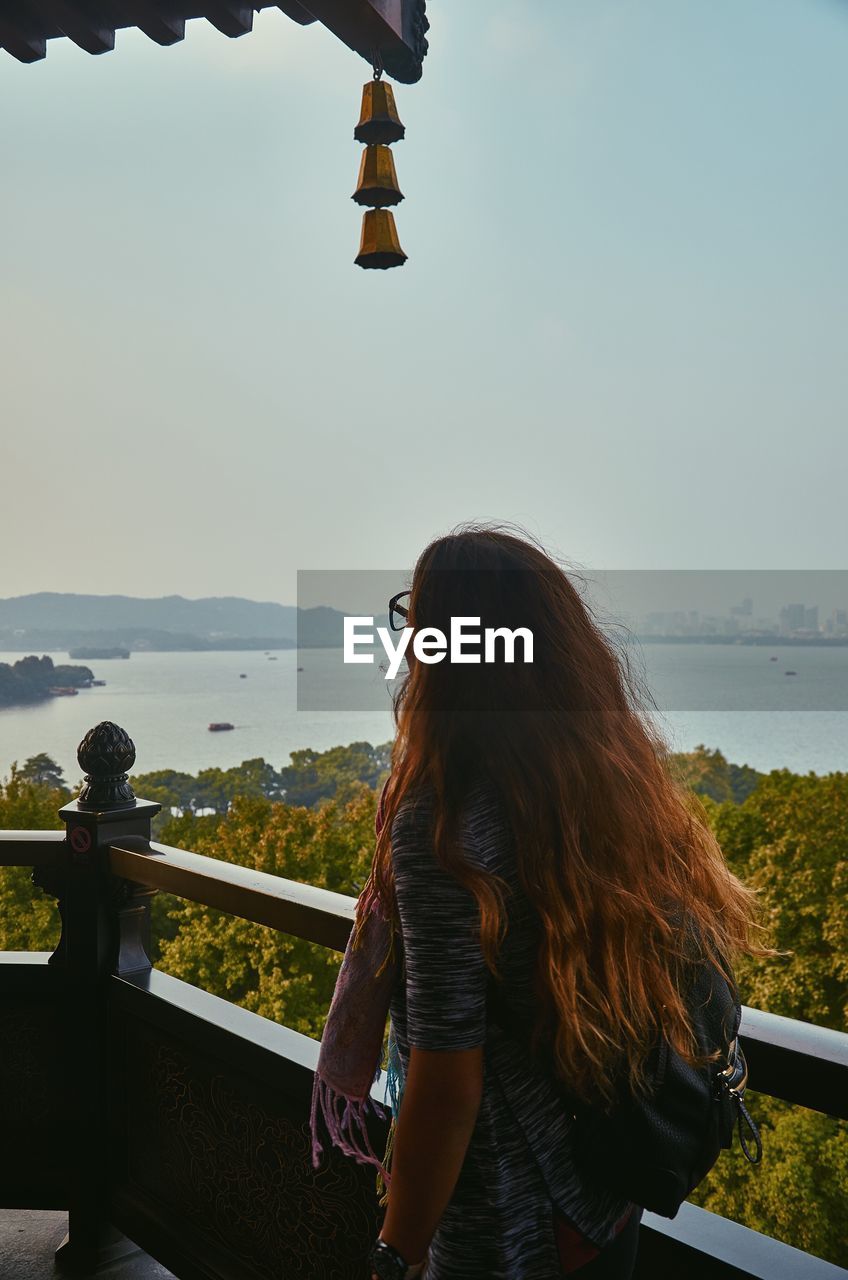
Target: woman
(532,852)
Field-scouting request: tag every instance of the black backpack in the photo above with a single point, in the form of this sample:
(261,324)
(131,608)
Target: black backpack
(654,1151)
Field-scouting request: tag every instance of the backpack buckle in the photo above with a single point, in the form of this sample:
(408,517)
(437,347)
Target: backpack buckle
(735,1075)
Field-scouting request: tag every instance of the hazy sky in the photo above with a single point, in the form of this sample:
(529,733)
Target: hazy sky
(622,323)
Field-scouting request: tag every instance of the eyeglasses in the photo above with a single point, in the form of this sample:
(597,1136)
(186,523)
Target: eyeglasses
(399,613)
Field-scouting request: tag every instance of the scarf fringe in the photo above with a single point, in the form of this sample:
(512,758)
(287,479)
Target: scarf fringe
(382,1184)
(346,1121)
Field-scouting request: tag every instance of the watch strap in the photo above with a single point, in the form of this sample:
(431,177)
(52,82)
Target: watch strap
(383,1252)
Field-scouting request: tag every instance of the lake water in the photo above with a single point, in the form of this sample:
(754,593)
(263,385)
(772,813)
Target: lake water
(727,696)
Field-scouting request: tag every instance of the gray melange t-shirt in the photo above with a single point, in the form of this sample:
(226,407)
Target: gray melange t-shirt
(519,1166)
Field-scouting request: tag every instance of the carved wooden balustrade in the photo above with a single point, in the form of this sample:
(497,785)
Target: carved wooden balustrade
(159,1114)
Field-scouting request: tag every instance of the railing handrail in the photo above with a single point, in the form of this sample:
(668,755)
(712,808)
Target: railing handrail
(30,848)
(804,1039)
(810,1061)
(302,910)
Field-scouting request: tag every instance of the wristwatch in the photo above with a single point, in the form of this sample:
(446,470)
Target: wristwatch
(388,1264)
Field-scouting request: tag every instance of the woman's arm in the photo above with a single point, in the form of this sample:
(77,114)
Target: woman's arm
(441,1100)
(445,980)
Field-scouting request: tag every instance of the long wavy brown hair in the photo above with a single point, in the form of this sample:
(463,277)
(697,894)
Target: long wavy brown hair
(615,856)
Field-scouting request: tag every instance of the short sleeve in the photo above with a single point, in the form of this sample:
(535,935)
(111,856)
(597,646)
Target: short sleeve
(446,974)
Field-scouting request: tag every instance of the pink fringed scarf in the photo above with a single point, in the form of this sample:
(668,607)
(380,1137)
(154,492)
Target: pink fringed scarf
(352,1042)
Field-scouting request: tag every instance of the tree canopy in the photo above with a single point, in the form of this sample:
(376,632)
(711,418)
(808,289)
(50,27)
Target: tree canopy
(311,778)
(30,679)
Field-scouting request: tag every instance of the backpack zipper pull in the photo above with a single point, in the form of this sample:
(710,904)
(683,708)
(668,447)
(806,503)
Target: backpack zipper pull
(743,1111)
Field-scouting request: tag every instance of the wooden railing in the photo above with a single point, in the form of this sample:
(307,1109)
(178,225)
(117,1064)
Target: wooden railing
(156,1112)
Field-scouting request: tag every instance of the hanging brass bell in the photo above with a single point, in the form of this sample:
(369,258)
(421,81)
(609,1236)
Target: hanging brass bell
(378,184)
(378,120)
(380,246)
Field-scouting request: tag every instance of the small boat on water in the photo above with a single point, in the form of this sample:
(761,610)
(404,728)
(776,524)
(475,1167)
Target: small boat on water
(272,659)
(790,673)
(243,675)
(774,659)
(97,684)
(63,691)
(219,726)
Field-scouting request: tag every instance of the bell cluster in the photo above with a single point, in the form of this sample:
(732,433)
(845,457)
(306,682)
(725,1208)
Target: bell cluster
(377,188)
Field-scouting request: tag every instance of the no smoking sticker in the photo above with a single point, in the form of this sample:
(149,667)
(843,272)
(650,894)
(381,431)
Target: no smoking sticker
(80,838)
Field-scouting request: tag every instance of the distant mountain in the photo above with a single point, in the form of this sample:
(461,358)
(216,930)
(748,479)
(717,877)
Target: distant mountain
(213,616)
(320,628)
(58,621)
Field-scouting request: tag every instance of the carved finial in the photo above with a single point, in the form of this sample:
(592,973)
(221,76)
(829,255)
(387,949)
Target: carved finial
(106,753)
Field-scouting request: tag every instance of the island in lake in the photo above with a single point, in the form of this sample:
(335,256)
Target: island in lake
(32,679)
(93,654)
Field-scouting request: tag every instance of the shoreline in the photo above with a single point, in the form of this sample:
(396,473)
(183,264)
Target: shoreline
(759,641)
(236,645)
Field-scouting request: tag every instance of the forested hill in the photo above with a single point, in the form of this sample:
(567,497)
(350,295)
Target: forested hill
(228,615)
(52,620)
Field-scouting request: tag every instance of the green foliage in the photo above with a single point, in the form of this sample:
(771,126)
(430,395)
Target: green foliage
(311,778)
(789,840)
(29,920)
(709,774)
(315,776)
(168,787)
(213,788)
(797,1193)
(270,973)
(43,771)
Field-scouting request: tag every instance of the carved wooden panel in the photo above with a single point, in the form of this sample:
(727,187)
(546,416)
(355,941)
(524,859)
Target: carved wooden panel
(30,1105)
(224,1162)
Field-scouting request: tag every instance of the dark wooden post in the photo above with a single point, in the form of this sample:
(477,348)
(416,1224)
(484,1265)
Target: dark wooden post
(105,931)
